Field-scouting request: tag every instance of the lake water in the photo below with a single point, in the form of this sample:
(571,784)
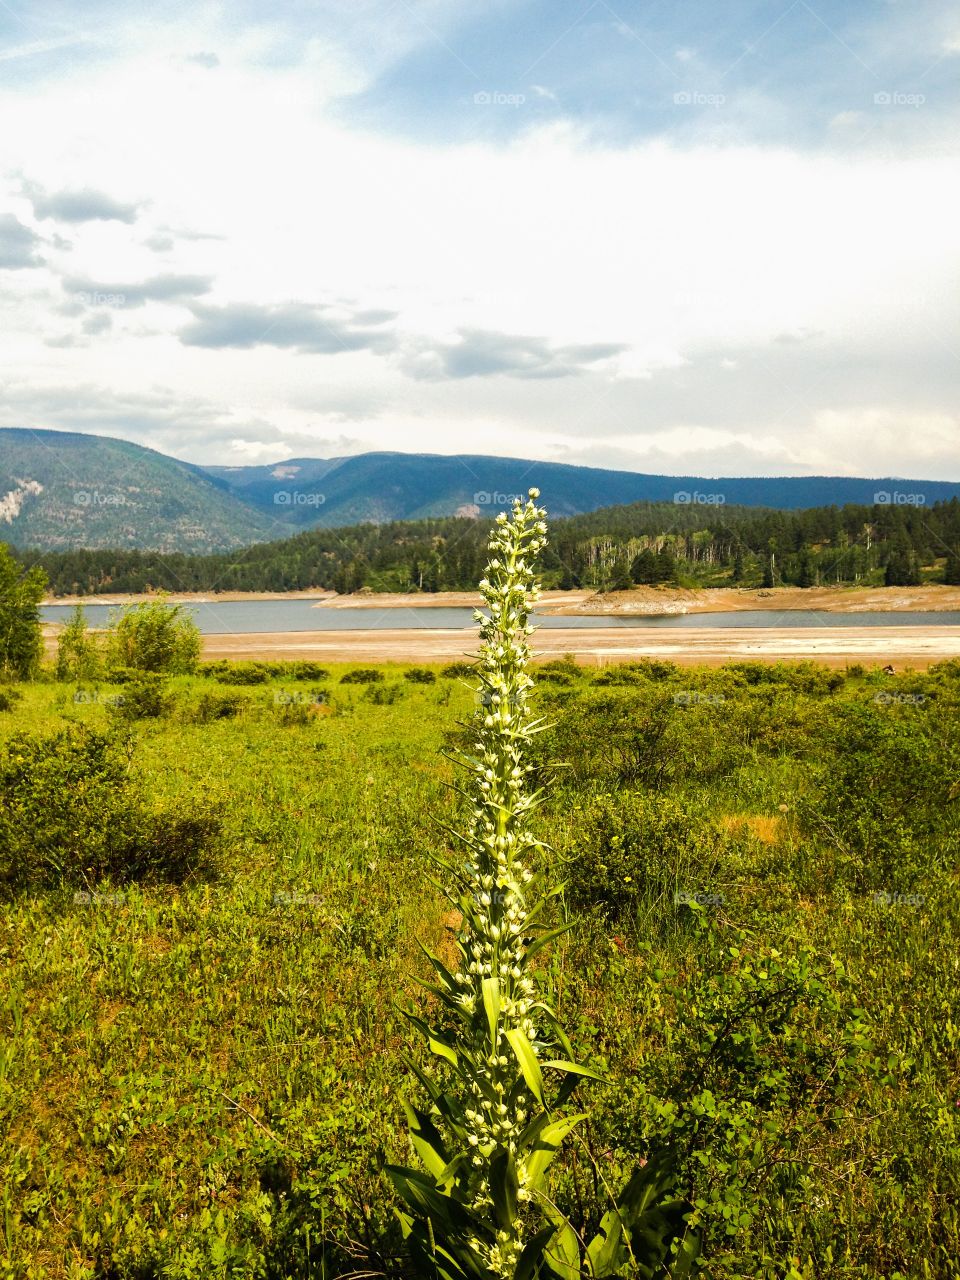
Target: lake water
(245,617)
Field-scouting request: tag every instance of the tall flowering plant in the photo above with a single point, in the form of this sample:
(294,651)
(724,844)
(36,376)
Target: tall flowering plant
(501,1068)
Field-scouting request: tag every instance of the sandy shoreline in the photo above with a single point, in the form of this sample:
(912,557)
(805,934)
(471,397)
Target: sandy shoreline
(916,647)
(652,601)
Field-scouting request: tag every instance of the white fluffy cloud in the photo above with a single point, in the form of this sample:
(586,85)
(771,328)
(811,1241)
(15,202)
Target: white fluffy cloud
(230,240)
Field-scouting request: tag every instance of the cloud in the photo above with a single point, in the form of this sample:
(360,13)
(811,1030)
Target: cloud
(166,239)
(609,271)
(203,59)
(481,353)
(18,244)
(296,326)
(164,288)
(84,205)
(99,322)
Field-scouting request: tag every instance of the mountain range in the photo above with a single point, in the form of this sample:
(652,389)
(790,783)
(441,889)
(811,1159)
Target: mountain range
(62,490)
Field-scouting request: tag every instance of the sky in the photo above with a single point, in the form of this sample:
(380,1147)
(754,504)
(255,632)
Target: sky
(676,236)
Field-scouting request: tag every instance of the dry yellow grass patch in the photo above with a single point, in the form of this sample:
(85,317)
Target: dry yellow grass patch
(767,828)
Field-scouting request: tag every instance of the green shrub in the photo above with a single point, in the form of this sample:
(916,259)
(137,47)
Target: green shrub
(308,671)
(802,677)
(9,697)
(213,705)
(383,695)
(632,849)
(638,737)
(760,1091)
(243,673)
(153,636)
(640,672)
(555,677)
(71,814)
(420,675)
(146,698)
(886,802)
(362,675)
(458,670)
(78,652)
(567,665)
(21,640)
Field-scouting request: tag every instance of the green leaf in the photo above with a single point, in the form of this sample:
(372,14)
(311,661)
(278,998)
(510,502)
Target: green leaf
(546,1145)
(491,1002)
(527,1059)
(531,1259)
(576,1069)
(504,1185)
(563,1253)
(544,938)
(427,1141)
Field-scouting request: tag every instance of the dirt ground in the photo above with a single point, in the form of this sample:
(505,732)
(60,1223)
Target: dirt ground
(915,647)
(641,600)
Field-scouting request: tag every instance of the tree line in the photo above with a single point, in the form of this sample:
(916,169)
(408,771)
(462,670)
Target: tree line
(613,548)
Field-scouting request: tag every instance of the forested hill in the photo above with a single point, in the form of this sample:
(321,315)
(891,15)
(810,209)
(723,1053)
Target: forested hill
(612,548)
(62,490)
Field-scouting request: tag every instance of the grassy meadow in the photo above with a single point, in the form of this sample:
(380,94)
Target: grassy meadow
(202,1068)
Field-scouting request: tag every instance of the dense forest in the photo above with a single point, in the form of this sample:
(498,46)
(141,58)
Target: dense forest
(613,548)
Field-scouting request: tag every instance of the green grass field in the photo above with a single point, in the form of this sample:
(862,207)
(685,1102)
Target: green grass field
(204,1079)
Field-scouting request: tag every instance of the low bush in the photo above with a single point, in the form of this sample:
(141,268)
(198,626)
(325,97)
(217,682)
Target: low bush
(759,1089)
(632,849)
(213,705)
(72,814)
(308,671)
(383,695)
(640,672)
(9,697)
(886,802)
(146,698)
(567,666)
(362,675)
(420,675)
(243,673)
(458,670)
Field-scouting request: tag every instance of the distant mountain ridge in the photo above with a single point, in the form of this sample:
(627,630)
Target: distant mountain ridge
(63,490)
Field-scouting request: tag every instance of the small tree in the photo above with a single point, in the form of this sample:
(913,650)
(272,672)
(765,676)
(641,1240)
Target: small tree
(504,1069)
(21,640)
(78,657)
(644,568)
(154,636)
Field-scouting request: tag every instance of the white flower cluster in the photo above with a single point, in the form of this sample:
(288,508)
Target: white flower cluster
(492,938)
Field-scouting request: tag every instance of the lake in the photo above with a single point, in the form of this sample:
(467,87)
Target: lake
(249,617)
